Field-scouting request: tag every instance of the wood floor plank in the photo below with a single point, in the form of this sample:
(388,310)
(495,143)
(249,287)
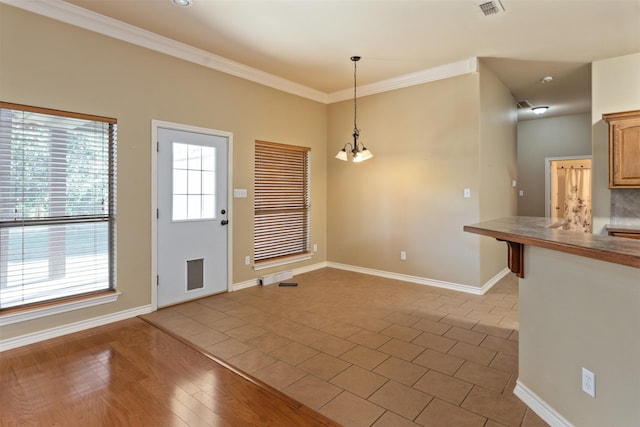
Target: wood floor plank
(131,373)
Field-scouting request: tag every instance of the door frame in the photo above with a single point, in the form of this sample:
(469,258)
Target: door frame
(547,179)
(155,124)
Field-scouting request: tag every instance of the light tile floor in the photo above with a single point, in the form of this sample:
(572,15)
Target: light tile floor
(370,351)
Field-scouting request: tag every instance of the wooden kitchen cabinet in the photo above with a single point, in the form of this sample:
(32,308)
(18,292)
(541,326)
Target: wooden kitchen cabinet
(624,149)
(622,231)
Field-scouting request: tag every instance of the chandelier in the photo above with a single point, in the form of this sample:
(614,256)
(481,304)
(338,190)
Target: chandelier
(358,151)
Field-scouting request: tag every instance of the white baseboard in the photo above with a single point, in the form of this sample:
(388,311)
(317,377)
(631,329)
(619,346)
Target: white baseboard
(8,344)
(540,407)
(397,276)
(244,285)
(308,268)
(495,279)
(423,280)
(300,270)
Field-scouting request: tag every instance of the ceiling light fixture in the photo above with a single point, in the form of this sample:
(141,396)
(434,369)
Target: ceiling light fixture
(181,3)
(491,7)
(539,110)
(358,150)
(546,79)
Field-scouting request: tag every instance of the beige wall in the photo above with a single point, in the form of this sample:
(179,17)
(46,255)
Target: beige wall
(427,140)
(551,137)
(615,87)
(409,197)
(578,312)
(50,64)
(498,119)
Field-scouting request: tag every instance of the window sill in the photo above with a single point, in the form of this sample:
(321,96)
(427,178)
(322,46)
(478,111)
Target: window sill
(282,261)
(26,314)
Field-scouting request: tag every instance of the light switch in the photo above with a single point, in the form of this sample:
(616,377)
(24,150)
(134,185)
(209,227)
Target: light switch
(467,193)
(239,193)
(521,193)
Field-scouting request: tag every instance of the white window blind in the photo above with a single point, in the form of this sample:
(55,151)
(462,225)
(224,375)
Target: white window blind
(57,204)
(282,201)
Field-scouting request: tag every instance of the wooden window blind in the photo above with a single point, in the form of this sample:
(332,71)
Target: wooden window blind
(282,201)
(57,204)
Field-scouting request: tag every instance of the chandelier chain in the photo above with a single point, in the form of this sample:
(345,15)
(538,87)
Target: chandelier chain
(355,102)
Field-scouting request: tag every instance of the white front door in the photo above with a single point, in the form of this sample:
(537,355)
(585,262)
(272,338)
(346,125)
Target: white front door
(192,215)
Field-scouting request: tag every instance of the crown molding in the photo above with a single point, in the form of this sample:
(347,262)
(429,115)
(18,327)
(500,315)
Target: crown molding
(445,71)
(83,18)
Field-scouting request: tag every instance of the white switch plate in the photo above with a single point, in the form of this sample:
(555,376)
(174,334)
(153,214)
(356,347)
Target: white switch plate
(239,193)
(513,183)
(403,255)
(247,260)
(467,193)
(521,193)
(315,247)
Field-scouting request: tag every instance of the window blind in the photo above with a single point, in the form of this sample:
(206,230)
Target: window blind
(57,204)
(282,201)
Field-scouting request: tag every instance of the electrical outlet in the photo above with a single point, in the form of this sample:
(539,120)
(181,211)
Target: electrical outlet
(315,247)
(403,255)
(247,260)
(589,382)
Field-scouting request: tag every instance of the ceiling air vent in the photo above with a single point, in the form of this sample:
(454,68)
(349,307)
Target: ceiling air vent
(524,104)
(491,7)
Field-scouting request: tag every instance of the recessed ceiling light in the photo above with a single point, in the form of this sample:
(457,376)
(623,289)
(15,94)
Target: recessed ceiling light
(546,79)
(181,3)
(539,110)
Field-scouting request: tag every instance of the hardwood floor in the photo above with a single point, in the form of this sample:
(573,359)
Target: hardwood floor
(130,373)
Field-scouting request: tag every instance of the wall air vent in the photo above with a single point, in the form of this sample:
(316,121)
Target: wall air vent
(524,104)
(491,7)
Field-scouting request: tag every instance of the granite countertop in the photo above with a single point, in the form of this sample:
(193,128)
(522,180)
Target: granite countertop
(536,231)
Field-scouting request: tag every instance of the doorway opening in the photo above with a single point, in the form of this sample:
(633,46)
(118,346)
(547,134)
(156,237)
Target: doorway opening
(568,191)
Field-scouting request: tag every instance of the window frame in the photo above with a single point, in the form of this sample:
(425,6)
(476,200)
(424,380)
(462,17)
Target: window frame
(63,300)
(281,170)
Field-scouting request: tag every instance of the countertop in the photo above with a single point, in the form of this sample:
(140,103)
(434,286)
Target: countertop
(535,231)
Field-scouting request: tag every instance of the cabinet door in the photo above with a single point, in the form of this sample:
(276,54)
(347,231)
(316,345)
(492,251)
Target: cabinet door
(627,235)
(624,151)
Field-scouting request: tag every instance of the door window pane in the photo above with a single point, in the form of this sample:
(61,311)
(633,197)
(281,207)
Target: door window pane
(194,182)
(208,181)
(179,181)
(179,207)
(208,159)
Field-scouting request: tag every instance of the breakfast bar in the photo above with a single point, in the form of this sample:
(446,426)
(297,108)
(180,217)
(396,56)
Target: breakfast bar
(579,300)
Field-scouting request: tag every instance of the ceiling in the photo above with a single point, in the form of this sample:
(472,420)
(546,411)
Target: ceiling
(309,42)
